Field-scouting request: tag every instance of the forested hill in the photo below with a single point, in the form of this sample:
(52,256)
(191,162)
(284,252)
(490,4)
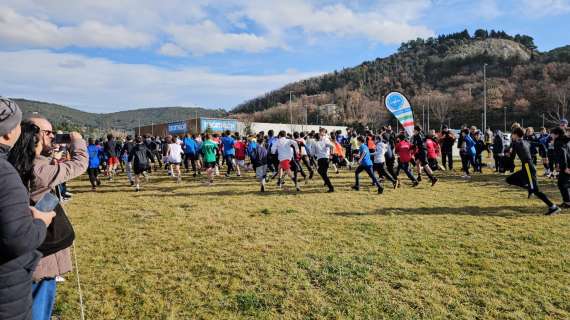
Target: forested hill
(445,73)
(70,118)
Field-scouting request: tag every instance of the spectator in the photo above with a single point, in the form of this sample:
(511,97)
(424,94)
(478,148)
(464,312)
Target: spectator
(22,229)
(48,174)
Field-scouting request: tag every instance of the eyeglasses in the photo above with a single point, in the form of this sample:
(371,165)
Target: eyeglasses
(49,132)
(7,113)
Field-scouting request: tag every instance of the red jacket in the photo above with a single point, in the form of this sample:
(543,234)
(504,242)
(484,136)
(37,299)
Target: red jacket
(404,150)
(432,148)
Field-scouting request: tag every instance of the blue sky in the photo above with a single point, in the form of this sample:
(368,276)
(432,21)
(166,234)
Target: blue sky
(105,56)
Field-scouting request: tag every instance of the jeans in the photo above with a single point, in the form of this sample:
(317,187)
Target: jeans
(43,293)
(407,170)
(370,173)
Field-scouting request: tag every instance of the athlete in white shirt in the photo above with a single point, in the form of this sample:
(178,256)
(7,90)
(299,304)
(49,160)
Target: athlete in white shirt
(285,149)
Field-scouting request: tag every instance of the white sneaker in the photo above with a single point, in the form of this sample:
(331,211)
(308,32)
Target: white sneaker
(59,279)
(465,176)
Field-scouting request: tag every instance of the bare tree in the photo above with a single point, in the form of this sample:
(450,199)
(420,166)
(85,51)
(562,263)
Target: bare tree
(440,107)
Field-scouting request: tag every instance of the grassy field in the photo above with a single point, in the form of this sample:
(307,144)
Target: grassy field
(460,250)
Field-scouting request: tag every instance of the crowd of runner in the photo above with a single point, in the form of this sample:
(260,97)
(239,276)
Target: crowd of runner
(383,155)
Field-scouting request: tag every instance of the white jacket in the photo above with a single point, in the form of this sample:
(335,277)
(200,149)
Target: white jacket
(284,148)
(322,148)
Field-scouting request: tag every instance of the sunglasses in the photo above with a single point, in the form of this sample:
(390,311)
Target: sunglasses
(49,132)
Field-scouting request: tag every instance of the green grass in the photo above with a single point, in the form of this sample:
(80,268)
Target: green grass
(460,250)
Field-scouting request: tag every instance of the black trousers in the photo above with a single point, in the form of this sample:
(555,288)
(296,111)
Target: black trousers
(564,186)
(498,163)
(447,155)
(93,172)
(192,159)
(526,178)
(466,161)
(382,171)
(323,172)
(370,173)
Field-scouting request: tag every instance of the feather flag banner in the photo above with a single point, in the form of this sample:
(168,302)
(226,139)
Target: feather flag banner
(398,104)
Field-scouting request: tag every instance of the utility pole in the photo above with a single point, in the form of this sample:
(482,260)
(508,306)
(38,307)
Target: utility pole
(484,97)
(139,127)
(152,128)
(290,107)
(543,119)
(429,95)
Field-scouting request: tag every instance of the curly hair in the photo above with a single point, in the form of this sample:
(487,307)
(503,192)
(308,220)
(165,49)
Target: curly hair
(23,154)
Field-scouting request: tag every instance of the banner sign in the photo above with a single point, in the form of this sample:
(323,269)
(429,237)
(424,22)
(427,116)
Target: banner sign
(177,127)
(402,110)
(218,124)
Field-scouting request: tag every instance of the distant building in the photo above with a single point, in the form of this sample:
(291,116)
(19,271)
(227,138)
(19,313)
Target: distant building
(196,125)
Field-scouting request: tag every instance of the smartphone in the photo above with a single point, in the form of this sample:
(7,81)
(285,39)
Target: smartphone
(47,203)
(62,138)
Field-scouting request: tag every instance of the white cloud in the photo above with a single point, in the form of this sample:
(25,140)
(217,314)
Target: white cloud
(542,8)
(172,50)
(389,22)
(191,26)
(101,85)
(31,32)
(207,37)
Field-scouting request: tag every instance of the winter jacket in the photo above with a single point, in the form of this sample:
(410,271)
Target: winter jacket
(404,151)
(94,156)
(20,236)
(498,144)
(259,156)
(47,177)
(190,146)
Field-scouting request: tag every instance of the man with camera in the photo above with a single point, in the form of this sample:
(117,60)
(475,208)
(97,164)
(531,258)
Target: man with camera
(22,229)
(49,173)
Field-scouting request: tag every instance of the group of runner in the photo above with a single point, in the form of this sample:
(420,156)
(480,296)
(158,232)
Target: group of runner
(382,155)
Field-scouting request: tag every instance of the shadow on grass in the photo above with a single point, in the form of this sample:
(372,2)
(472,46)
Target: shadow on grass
(498,211)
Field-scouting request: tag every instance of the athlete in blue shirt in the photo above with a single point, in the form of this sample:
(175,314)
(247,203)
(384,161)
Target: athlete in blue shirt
(365,164)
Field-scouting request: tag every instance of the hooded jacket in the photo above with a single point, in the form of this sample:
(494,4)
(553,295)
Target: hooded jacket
(20,236)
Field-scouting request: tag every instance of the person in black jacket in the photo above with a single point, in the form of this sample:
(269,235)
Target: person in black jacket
(140,158)
(22,228)
(562,154)
(125,151)
(447,141)
(420,154)
(526,177)
(499,151)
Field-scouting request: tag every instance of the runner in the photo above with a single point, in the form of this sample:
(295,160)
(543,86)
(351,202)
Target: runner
(139,159)
(380,161)
(322,150)
(175,158)
(110,149)
(229,152)
(404,151)
(127,147)
(209,151)
(190,147)
(526,177)
(285,150)
(365,164)
(94,150)
(259,162)
(420,153)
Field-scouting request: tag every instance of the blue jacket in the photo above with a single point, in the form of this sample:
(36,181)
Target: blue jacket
(470,145)
(95,153)
(190,146)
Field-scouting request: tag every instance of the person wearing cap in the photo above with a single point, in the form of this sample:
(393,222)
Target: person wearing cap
(22,228)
